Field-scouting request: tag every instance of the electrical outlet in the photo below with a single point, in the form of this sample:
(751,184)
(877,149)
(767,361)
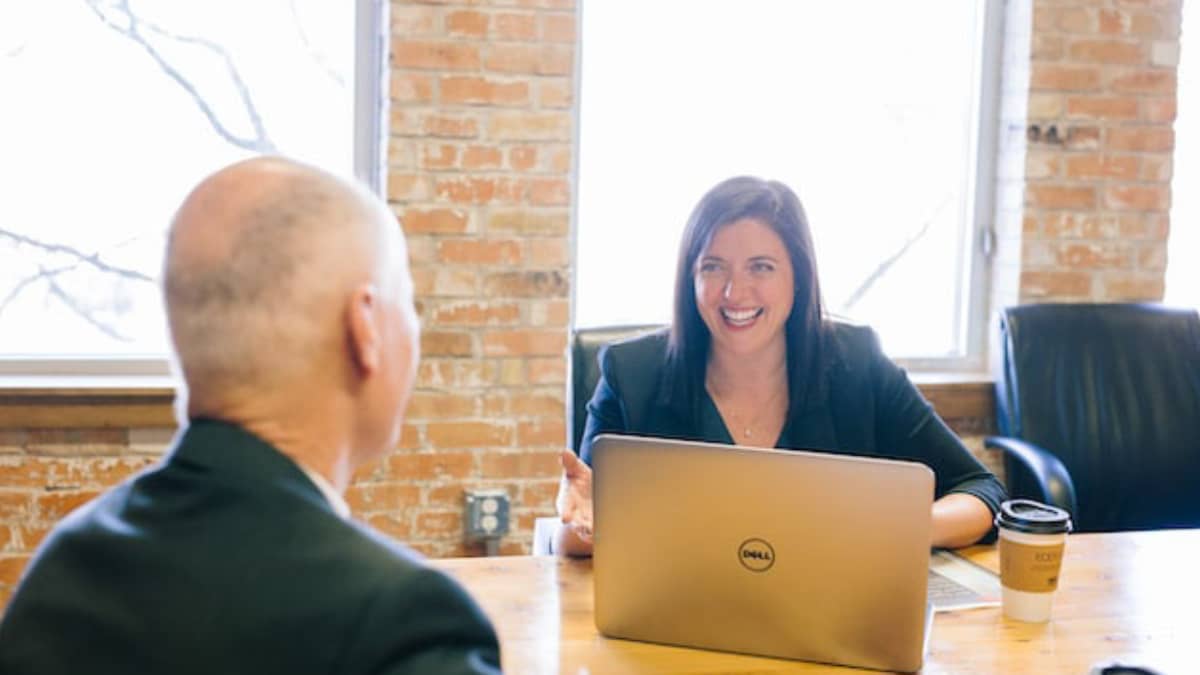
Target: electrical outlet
(486,514)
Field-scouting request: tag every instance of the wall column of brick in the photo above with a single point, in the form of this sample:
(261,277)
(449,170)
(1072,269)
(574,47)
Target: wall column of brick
(1098,168)
(479,175)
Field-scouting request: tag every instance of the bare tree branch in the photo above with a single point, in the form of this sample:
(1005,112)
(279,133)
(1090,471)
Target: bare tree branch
(261,142)
(317,56)
(33,278)
(83,312)
(887,263)
(92,259)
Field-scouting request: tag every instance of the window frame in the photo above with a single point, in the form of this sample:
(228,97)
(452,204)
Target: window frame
(371,24)
(979,234)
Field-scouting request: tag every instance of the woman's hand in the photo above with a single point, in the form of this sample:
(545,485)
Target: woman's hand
(575,506)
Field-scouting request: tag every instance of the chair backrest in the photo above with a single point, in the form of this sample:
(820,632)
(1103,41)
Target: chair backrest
(585,369)
(1114,391)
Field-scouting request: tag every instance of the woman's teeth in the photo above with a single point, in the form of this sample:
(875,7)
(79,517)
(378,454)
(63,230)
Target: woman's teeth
(741,317)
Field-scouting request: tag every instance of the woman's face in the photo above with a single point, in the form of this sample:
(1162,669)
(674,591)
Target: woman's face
(744,287)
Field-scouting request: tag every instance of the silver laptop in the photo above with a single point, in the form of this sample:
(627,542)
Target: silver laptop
(800,555)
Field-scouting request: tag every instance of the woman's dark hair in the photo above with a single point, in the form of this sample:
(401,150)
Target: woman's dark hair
(773,204)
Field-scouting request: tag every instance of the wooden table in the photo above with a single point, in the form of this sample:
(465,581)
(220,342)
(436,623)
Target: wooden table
(1129,596)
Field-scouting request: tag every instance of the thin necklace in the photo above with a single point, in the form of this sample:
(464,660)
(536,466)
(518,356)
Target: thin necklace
(749,426)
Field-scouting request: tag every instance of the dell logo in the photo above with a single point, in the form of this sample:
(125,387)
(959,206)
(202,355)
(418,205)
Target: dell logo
(756,555)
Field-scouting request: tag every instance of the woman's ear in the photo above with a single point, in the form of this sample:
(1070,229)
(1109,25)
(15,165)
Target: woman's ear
(362,329)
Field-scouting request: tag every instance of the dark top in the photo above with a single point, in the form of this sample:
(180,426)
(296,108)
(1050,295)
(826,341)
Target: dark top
(863,404)
(226,558)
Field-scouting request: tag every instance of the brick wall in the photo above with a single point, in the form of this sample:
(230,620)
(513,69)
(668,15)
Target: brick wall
(1099,136)
(480,156)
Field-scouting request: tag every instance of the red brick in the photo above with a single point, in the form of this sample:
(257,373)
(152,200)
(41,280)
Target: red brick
(474,90)
(1094,255)
(479,251)
(467,23)
(413,20)
(558,28)
(410,438)
(424,466)
(526,284)
(515,27)
(75,442)
(529,222)
(540,495)
(1042,164)
(443,282)
(468,434)
(15,505)
(1075,20)
(405,186)
(542,432)
(444,343)
(555,94)
(435,55)
(1158,109)
(1107,51)
(530,59)
(435,156)
(547,252)
(11,568)
(1153,257)
(411,87)
(1147,226)
(475,313)
(472,190)
(435,221)
(480,157)
(448,126)
(377,497)
(1054,196)
(1082,138)
(522,157)
(53,506)
(1071,78)
(551,370)
(1137,197)
(550,313)
(1133,286)
(560,160)
(537,404)
(1055,284)
(425,405)
(1079,225)
(1146,81)
(527,126)
(442,524)
(1103,107)
(1157,168)
(456,373)
(524,342)
(1047,47)
(1113,22)
(393,525)
(1102,166)
(549,192)
(1141,139)
(538,464)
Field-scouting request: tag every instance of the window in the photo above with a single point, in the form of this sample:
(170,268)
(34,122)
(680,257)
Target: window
(1183,254)
(114,109)
(875,113)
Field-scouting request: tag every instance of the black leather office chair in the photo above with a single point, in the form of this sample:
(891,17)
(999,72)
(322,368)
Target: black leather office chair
(1100,408)
(585,369)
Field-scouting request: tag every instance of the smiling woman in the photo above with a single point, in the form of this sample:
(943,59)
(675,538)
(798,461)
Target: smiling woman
(751,359)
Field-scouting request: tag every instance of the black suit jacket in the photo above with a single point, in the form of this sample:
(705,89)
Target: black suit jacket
(227,559)
(863,404)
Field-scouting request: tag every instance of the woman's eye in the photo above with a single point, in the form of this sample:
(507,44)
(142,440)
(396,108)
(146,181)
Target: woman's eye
(710,268)
(762,267)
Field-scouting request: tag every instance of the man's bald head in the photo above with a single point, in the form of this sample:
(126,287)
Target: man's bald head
(260,260)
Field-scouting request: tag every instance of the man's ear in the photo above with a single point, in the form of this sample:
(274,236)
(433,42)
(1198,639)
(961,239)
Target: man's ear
(362,329)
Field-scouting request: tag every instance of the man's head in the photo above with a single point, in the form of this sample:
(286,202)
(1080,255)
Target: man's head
(283,284)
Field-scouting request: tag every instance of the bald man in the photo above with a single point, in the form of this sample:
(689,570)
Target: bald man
(291,313)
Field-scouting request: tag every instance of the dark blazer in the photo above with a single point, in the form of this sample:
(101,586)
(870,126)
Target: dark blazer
(226,558)
(863,404)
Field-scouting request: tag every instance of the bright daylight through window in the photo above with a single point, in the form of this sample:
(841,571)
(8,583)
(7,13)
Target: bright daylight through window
(873,112)
(113,110)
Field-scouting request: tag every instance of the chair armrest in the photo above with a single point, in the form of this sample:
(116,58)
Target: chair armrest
(1047,471)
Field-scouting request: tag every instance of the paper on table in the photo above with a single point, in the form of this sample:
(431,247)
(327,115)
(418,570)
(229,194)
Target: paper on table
(956,583)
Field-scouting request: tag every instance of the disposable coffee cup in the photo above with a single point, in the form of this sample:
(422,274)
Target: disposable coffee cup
(1032,538)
